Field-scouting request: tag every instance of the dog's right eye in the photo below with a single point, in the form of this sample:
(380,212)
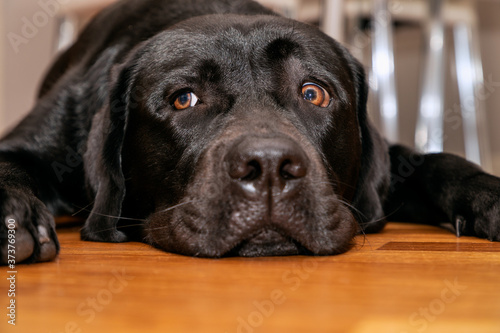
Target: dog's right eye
(185,100)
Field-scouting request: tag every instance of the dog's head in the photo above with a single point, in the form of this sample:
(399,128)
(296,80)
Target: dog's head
(242,135)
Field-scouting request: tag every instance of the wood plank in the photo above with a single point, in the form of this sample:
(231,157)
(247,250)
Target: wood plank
(437,246)
(131,287)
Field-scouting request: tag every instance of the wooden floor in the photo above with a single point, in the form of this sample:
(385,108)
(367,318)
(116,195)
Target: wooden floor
(407,279)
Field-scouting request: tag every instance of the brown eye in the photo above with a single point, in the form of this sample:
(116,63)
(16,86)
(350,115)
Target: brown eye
(185,100)
(315,94)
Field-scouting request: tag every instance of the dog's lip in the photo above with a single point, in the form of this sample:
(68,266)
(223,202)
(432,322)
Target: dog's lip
(259,244)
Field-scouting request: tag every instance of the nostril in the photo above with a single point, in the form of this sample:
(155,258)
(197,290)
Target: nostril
(291,169)
(253,171)
(245,171)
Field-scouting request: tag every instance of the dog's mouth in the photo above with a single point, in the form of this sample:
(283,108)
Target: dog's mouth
(254,236)
(268,242)
(256,196)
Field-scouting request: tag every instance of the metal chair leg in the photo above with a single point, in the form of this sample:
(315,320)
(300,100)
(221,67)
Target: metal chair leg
(383,69)
(67,32)
(470,79)
(333,20)
(429,131)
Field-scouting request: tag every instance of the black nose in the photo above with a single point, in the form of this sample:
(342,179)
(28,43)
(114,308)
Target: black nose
(261,163)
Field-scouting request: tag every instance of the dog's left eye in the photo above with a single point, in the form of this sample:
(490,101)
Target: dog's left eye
(315,94)
(185,100)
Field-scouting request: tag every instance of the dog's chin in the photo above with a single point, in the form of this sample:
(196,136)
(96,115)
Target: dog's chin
(267,243)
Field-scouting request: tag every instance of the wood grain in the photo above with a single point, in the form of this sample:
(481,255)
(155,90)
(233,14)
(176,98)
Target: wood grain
(409,278)
(440,246)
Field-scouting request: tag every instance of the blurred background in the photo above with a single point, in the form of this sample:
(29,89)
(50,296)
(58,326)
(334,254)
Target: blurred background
(433,66)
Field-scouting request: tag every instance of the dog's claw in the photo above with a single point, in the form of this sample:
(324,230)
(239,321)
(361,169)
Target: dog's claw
(43,235)
(8,222)
(459,225)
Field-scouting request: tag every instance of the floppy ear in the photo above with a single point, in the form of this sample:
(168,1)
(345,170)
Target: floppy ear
(104,163)
(374,176)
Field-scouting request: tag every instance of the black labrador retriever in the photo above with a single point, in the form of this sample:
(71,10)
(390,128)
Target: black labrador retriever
(217,128)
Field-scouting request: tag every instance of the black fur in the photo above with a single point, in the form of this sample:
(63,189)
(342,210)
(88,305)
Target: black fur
(252,169)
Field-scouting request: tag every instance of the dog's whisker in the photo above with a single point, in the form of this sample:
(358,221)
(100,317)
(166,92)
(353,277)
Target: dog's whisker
(201,227)
(137,219)
(167,209)
(121,227)
(386,216)
(120,217)
(85,209)
(336,183)
(176,206)
(113,216)
(365,239)
(352,207)
(361,224)
(81,209)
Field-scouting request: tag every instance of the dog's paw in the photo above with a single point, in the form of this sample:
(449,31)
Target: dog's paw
(102,234)
(27,229)
(478,210)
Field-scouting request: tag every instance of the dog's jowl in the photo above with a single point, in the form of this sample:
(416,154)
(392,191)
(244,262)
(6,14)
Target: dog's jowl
(216,130)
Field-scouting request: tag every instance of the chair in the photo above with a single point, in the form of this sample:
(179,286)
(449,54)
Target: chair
(434,16)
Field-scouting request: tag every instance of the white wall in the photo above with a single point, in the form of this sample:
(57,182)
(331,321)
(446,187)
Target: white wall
(26,63)
(2,67)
